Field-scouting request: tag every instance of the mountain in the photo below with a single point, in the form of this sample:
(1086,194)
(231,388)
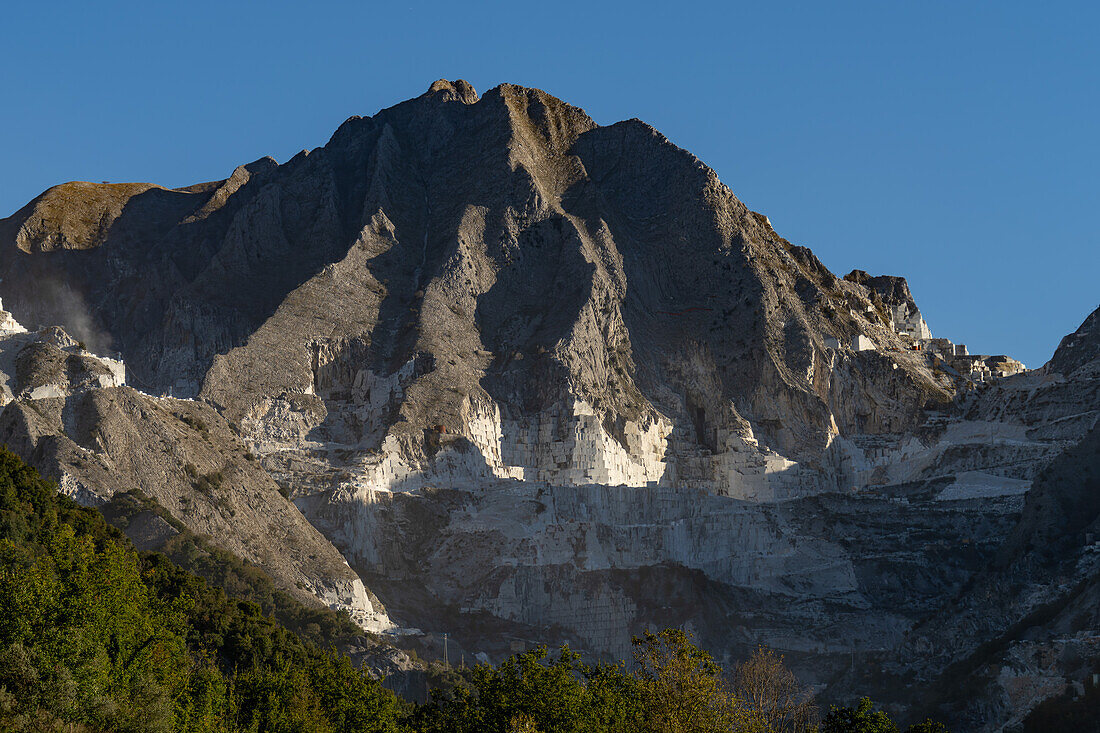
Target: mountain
(1027,627)
(536,380)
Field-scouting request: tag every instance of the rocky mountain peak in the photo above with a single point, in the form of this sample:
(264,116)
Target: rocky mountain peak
(1078,349)
(459,90)
(891,289)
(513,225)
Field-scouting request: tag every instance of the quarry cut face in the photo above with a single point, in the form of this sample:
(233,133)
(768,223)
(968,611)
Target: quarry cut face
(539,380)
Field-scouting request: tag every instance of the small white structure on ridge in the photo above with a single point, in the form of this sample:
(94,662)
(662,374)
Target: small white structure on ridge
(862,343)
(909,322)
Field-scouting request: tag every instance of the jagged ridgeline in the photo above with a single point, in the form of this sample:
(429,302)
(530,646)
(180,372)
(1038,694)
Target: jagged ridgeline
(480,366)
(479,264)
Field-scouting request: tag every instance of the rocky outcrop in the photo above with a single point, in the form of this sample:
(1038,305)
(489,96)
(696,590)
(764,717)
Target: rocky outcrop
(1024,628)
(515,252)
(70,415)
(1059,402)
(1079,350)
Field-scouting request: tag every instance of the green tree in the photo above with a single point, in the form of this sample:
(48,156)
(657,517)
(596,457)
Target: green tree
(548,693)
(681,688)
(615,698)
(94,636)
(861,719)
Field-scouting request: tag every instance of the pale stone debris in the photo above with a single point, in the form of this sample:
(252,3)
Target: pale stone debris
(862,343)
(14,338)
(8,324)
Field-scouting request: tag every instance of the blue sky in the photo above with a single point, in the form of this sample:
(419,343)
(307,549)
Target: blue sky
(957,144)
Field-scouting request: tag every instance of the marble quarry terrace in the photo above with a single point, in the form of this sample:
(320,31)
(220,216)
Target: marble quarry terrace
(480,366)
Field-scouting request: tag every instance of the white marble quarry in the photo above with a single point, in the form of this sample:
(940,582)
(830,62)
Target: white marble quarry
(541,519)
(909,322)
(14,338)
(570,446)
(984,459)
(8,324)
(353,598)
(535,553)
(566,446)
(862,343)
(981,485)
(981,368)
(117,369)
(940,346)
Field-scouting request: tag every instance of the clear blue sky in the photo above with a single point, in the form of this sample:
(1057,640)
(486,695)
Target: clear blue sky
(955,143)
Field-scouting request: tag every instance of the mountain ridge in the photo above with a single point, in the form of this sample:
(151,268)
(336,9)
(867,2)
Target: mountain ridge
(488,322)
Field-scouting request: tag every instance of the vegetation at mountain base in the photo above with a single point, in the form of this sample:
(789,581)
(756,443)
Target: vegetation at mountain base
(240,580)
(95,636)
(863,718)
(675,687)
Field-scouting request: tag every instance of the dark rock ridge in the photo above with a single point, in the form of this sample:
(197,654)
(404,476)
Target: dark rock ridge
(450,227)
(1079,350)
(892,290)
(538,380)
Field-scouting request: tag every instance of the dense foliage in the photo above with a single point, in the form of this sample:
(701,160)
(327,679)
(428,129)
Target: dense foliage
(239,579)
(96,637)
(865,719)
(675,687)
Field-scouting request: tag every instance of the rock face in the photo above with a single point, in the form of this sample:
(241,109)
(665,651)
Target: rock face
(505,258)
(1027,626)
(542,380)
(70,414)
